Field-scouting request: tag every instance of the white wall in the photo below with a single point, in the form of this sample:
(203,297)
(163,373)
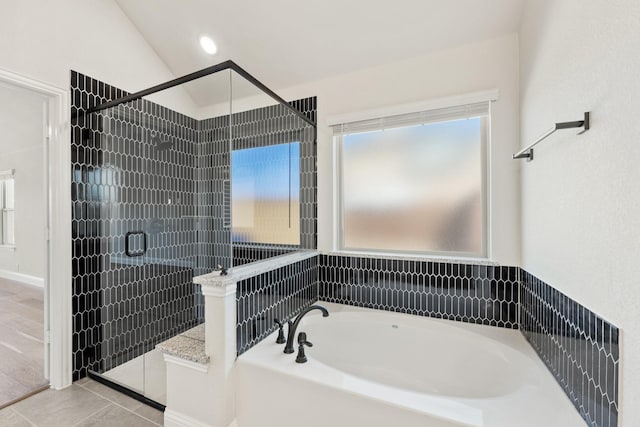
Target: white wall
(43,40)
(486,65)
(580,196)
(21,149)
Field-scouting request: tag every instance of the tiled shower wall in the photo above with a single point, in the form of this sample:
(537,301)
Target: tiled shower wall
(259,127)
(579,348)
(132,171)
(144,168)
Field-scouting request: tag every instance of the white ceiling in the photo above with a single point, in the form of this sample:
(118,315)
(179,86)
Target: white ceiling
(289,42)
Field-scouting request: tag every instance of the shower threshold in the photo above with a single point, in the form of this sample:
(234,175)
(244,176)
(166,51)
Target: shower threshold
(142,378)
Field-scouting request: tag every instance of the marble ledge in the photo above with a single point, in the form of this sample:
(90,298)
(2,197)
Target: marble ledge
(188,345)
(246,271)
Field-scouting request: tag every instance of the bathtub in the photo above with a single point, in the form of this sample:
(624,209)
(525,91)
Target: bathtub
(375,368)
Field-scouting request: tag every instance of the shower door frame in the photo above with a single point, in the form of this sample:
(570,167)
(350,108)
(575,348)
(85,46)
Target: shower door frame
(57,281)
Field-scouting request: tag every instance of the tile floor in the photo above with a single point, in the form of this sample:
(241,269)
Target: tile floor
(21,340)
(85,403)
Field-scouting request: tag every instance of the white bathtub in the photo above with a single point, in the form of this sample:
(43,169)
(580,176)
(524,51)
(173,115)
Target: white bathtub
(374,368)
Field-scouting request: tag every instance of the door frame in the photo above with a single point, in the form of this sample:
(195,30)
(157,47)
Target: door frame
(57,281)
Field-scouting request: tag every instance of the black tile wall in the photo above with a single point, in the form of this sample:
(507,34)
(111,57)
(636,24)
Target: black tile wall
(464,292)
(140,167)
(579,348)
(259,127)
(278,294)
(132,170)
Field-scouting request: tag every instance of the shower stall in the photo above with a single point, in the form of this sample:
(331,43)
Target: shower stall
(209,170)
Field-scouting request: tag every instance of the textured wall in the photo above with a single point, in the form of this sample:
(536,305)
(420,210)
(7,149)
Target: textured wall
(111,48)
(491,64)
(580,199)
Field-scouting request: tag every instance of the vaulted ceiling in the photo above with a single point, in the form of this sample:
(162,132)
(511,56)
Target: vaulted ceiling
(289,42)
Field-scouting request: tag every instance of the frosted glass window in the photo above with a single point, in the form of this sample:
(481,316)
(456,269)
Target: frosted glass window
(415,188)
(265,194)
(7,213)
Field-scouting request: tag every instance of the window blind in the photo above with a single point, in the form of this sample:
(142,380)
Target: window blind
(458,112)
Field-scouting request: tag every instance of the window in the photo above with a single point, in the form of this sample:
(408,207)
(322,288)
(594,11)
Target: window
(415,183)
(265,194)
(7,213)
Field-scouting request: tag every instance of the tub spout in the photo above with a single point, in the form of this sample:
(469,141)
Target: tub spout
(293,326)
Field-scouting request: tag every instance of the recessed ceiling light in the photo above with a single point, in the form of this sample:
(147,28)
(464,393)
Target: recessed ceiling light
(208,45)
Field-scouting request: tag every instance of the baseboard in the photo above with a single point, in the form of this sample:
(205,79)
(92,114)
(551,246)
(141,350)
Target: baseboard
(176,419)
(22,278)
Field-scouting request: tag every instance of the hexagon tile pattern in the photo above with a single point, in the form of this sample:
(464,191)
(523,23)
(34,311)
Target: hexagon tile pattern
(464,292)
(148,200)
(274,124)
(578,347)
(278,294)
(132,172)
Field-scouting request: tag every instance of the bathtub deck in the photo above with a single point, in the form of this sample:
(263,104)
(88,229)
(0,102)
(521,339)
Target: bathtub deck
(270,382)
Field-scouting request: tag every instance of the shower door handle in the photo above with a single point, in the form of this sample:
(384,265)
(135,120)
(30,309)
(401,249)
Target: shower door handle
(131,246)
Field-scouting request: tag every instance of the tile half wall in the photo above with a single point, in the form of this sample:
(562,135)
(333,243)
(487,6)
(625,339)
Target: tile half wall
(580,349)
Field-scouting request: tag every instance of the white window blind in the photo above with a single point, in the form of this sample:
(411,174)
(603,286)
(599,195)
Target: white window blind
(421,117)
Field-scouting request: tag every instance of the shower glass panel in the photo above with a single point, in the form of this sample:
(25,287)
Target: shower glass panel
(155,203)
(271,183)
(150,203)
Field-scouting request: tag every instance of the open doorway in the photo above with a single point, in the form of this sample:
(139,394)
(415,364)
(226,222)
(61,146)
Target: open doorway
(23,228)
(35,306)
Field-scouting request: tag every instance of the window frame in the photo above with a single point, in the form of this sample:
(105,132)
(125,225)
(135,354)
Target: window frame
(485,150)
(271,245)
(6,175)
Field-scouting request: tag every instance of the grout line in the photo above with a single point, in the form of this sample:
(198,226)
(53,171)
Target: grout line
(23,416)
(30,337)
(117,404)
(10,347)
(103,396)
(93,413)
(143,417)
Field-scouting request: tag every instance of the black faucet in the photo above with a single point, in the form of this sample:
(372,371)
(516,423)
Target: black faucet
(294,325)
(280,339)
(302,341)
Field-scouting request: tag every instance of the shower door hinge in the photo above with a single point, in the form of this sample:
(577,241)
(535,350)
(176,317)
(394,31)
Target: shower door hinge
(47,337)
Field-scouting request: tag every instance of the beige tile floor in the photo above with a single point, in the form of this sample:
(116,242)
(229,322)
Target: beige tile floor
(21,340)
(85,403)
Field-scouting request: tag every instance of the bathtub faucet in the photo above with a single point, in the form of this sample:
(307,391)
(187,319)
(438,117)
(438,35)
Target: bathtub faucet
(294,325)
